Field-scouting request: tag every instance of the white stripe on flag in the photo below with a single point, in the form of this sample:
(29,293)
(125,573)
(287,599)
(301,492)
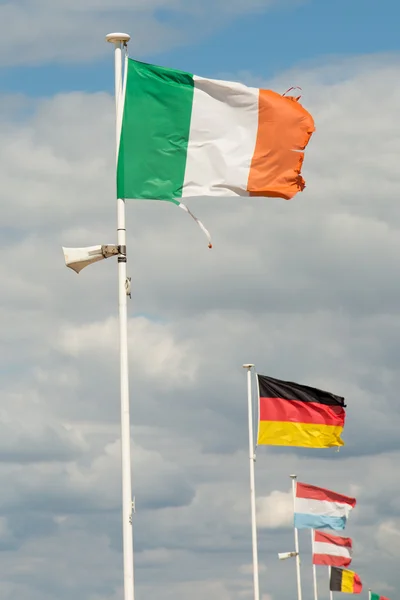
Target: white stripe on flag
(307,506)
(222,138)
(331,549)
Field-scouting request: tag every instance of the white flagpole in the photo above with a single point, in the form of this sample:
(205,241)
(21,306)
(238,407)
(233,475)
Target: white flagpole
(252,485)
(330,591)
(296,540)
(314,567)
(120,40)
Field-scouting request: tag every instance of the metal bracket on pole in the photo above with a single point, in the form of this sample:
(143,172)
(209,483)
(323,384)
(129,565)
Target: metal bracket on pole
(108,250)
(128,286)
(122,254)
(133,511)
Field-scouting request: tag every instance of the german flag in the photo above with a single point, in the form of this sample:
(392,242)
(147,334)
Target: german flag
(291,414)
(346,581)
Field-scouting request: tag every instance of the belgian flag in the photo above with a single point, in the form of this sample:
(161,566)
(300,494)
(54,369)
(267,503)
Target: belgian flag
(346,581)
(291,414)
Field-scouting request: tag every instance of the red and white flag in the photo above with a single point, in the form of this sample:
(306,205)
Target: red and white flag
(331,550)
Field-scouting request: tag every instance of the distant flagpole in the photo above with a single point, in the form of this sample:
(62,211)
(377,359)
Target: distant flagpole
(252,484)
(296,540)
(314,568)
(120,40)
(330,591)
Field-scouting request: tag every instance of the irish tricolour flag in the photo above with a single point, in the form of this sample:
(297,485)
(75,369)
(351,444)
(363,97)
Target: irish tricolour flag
(183,136)
(318,508)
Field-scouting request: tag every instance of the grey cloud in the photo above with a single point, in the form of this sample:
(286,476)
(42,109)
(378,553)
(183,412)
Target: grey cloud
(48,444)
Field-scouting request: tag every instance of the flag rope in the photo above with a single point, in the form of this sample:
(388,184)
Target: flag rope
(199,223)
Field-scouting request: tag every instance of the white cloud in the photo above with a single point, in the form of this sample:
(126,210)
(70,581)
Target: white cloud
(276,510)
(74,31)
(153,349)
(248,569)
(198,590)
(388,537)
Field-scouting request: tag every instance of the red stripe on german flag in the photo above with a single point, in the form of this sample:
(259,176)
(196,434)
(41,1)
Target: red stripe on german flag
(291,414)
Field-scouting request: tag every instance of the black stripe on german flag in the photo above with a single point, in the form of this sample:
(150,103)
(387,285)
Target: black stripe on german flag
(287,390)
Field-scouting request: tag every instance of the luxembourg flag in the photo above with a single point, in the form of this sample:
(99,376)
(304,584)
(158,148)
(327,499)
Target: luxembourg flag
(331,550)
(318,508)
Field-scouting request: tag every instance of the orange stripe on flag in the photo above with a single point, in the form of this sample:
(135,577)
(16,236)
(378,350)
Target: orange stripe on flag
(284,130)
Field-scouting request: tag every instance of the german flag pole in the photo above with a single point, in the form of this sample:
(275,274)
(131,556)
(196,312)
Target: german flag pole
(330,591)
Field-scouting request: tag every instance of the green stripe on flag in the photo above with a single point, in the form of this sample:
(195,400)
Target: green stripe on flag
(155,132)
(377,597)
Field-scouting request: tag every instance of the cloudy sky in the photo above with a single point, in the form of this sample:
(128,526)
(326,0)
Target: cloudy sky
(308,290)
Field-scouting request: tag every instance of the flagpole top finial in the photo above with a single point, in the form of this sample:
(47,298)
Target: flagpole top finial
(293,476)
(114,38)
(248,366)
